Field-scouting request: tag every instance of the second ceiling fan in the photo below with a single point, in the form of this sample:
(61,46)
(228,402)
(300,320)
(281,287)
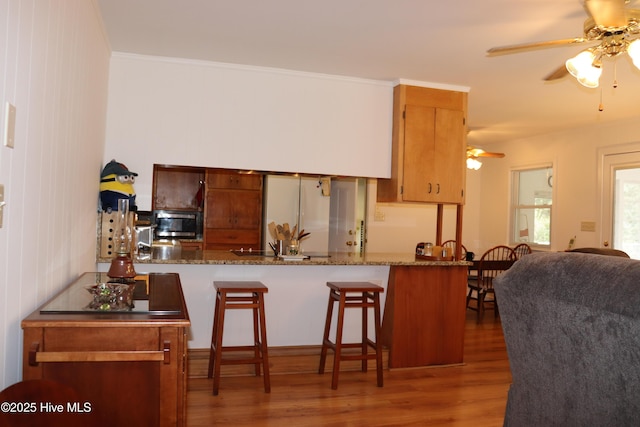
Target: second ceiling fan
(611,26)
(473,153)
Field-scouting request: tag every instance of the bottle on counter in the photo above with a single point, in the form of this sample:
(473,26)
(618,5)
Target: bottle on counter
(428,249)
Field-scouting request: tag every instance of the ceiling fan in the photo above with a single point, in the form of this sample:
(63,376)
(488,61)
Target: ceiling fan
(473,153)
(610,24)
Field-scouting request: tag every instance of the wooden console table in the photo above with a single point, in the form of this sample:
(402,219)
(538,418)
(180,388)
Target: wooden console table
(129,365)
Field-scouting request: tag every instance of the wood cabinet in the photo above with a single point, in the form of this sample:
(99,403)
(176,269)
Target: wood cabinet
(191,245)
(428,147)
(130,366)
(424,315)
(233,210)
(178,187)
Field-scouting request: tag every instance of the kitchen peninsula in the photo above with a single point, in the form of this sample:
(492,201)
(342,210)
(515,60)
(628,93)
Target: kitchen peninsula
(424,301)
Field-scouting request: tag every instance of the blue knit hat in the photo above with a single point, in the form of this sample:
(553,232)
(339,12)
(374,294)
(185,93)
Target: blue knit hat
(116,168)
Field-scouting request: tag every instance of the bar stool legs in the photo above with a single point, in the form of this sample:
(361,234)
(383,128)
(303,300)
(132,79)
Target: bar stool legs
(367,296)
(239,295)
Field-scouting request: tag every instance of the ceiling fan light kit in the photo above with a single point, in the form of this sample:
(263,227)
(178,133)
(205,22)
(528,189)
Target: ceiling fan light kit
(473,163)
(633,50)
(586,68)
(611,24)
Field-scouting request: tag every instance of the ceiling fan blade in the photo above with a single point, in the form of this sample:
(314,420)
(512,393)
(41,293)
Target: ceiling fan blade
(607,13)
(474,152)
(496,155)
(517,48)
(556,74)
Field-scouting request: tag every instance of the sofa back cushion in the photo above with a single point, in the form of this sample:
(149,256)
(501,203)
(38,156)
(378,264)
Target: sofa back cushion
(571,323)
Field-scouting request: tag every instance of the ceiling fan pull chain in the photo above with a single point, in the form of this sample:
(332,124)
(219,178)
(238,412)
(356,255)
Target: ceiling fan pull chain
(601,106)
(615,74)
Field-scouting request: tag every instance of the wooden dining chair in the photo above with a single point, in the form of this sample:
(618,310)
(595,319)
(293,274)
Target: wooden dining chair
(451,245)
(521,250)
(492,263)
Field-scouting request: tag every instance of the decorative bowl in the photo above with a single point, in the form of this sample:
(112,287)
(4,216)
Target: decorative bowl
(111,296)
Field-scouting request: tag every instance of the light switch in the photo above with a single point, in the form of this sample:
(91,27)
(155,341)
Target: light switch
(2,203)
(378,215)
(588,226)
(9,125)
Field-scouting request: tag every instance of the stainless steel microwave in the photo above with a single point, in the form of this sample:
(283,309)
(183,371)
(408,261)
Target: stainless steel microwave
(178,224)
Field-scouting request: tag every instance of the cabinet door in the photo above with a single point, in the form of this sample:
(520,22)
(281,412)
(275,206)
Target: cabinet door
(177,187)
(231,209)
(419,153)
(451,154)
(433,164)
(225,239)
(191,245)
(234,180)
(114,369)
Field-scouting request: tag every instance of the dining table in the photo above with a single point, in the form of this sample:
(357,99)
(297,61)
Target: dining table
(491,264)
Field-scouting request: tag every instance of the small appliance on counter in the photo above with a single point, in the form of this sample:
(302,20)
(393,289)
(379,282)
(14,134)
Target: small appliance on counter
(144,218)
(144,237)
(166,249)
(426,251)
(143,229)
(171,224)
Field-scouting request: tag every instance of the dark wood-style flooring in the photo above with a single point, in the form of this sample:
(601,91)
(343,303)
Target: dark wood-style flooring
(473,394)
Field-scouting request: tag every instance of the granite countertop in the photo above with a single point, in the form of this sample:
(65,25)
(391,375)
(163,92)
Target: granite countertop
(249,258)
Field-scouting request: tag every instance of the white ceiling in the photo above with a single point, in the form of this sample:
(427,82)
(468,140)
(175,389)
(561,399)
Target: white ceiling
(443,42)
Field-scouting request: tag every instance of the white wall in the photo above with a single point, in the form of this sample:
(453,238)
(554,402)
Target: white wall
(174,111)
(576,183)
(54,62)
(399,226)
(179,112)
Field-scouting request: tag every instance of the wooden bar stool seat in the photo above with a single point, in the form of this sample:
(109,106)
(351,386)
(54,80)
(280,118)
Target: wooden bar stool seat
(239,295)
(363,295)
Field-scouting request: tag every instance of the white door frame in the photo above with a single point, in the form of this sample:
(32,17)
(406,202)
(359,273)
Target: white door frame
(609,159)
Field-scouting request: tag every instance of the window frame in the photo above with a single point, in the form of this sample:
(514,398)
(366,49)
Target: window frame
(515,208)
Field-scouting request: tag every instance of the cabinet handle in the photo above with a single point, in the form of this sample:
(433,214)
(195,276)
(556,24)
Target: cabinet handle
(430,188)
(166,350)
(438,191)
(36,356)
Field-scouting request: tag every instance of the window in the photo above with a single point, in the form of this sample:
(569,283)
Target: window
(531,206)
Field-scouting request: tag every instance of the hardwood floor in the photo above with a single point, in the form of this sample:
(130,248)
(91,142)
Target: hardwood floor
(473,394)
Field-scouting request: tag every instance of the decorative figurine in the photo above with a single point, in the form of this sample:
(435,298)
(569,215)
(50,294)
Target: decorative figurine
(116,182)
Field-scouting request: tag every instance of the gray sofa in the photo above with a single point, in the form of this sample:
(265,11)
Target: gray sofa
(571,324)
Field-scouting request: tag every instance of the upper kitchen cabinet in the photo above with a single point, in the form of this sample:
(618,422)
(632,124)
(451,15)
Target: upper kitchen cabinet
(428,148)
(225,179)
(233,212)
(178,188)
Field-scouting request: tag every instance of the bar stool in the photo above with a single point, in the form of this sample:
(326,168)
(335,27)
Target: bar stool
(239,295)
(367,296)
